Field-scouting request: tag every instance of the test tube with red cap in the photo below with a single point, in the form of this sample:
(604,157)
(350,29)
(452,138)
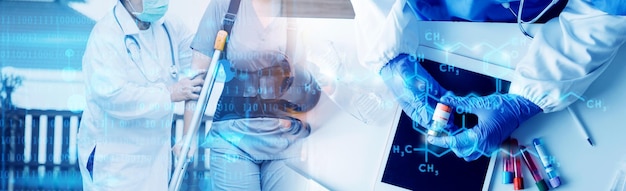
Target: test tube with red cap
(530,163)
(507,168)
(518,180)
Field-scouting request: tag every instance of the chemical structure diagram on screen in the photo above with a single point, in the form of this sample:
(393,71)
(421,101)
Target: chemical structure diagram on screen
(503,53)
(500,53)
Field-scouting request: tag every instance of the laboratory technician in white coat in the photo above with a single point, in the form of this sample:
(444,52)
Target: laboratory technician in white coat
(136,66)
(565,56)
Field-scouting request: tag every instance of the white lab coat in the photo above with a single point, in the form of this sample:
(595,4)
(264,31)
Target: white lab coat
(564,58)
(567,55)
(384,32)
(128,117)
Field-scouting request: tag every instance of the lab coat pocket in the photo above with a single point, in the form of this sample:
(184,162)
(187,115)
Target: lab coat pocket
(119,171)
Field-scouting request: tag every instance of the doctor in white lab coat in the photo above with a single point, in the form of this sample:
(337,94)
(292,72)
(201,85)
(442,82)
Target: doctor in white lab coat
(134,65)
(566,55)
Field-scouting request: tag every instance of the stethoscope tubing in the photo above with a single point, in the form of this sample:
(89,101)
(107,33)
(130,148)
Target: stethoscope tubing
(173,69)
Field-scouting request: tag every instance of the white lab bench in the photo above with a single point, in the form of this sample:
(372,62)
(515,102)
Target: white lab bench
(343,153)
(581,166)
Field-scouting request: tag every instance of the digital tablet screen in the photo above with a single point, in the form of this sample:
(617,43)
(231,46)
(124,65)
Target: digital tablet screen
(409,166)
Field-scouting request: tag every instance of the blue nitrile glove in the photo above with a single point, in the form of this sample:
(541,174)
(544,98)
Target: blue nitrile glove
(498,116)
(414,88)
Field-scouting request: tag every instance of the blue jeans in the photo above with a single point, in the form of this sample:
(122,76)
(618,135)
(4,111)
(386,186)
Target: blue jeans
(250,154)
(237,171)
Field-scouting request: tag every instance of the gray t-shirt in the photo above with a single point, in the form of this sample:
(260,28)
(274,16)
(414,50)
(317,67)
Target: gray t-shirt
(248,49)
(249,42)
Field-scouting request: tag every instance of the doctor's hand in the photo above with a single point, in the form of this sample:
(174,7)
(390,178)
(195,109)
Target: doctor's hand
(187,88)
(498,116)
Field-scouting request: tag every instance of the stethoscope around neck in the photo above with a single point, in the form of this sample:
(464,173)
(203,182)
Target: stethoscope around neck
(132,41)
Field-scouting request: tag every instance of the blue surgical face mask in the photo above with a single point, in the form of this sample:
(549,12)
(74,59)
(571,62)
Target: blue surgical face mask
(153,10)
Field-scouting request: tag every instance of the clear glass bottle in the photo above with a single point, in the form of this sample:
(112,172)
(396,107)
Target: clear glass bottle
(439,120)
(354,88)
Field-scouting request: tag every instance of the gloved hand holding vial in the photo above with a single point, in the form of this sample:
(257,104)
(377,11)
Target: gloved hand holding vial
(498,116)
